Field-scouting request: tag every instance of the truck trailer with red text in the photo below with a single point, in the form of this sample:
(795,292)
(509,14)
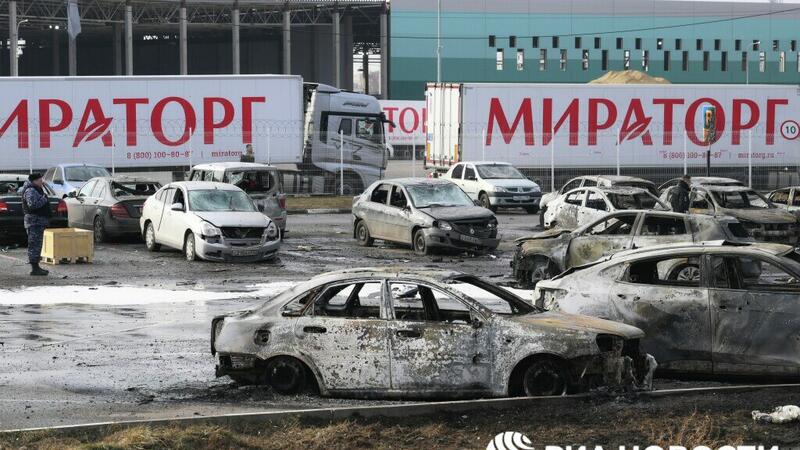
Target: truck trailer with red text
(587,126)
(153,122)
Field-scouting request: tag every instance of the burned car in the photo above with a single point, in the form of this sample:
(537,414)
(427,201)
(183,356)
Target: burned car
(702,181)
(425,333)
(760,217)
(425,213)
(546,254)
(786,198)
(581,206)
(738,316)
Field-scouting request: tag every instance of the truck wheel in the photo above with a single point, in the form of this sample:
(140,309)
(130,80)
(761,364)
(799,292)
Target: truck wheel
(150,238)
(362,235)
(352,185)
(484,200)
(420,246)
(189,249)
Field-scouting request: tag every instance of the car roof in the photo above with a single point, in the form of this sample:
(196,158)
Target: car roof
(417,181)
(204,185)
(429,274)
(622,190)
(762,248)
(724,188)
(13,177)
(232,165)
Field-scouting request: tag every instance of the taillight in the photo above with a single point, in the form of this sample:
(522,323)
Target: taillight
(282,202)
(119,211)
(61,209)
(3,207)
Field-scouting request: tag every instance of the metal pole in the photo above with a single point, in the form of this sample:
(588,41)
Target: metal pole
(337,49)
(56,52)
(708,160)
(183,46)
(413,162)
(341,162)
(128,39)
(384,40)
(287,42)
(438,41)
(72,56)
(235,40)
(13,35)
(113,150)
(483,144)
(191,135)
(269,146)
(117,38)
(750,158)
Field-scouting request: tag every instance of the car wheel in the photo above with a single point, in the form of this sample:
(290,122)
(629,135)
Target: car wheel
(484,200)
(545,377)
(532,210)
(285,375)
(99,229)
(420,245)
(189,249)
(362,234)
(541,216)
(150,238)
(685,273)
(543,269)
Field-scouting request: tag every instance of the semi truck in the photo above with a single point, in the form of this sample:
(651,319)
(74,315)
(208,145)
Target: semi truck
(333,137)
(576,126)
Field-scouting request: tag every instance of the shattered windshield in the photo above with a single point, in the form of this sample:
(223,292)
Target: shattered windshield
(133,188)
(213,200)
(426,196)
(252,180)
(633,201)
(741,200)
(499,172)
(84,173)
(493,298)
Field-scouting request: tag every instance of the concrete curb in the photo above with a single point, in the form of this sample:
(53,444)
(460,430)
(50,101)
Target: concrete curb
(401,410)
(293,212)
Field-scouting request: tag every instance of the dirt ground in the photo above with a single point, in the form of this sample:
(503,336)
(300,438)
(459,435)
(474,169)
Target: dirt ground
(688,421)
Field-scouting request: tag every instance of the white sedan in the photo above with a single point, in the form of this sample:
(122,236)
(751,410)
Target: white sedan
(212,221)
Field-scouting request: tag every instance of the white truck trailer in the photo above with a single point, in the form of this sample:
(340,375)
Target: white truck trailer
(596,126)
(165,122)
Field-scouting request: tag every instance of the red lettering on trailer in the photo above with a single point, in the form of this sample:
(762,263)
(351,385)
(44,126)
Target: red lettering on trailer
(98,127)
(130,117)
(189,122)
(736,121)
(209,125)
(20,114)
(772,104)
(524,115)
(594,126)
(635,124)
(390,110)
(669,104)
(247,117)
(414,114)
(45,127)
(570,113)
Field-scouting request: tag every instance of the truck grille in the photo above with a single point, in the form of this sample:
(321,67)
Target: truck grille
(242,233)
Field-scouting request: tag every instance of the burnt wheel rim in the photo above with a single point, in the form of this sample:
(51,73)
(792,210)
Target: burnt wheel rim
(149,237)
(542,380)
(485,201)
(190,248)
(285,376)
(419,243)
(98,230)
(688,273)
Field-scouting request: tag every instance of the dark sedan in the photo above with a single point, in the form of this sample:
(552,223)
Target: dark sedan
(12,226)
(110,206)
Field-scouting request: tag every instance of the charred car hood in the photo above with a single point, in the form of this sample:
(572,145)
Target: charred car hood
(450,213)
(546,234)
(575,322)
(234,219)
(761,215)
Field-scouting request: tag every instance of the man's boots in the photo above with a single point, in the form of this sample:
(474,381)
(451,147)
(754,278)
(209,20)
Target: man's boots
(38,271)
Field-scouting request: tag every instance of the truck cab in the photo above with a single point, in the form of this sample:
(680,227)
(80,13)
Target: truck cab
(344,132)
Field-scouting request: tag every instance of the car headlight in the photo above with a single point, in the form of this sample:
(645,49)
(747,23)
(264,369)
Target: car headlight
(209,230)
(271,232)
(536,188)
(442,225)
(491,225)
(499,189)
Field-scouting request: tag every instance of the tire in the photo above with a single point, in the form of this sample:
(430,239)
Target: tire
(541,216)
(363,236)
(285,375)
(99,229)
(483,198)
(686,273)
(150,238)
(419,243)
(543,269)
(532,210)
(545,377)
(189,249)
(352,185)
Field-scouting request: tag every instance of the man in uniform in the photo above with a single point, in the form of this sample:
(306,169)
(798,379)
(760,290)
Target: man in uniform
(679,197)
(36,206)
(248,155)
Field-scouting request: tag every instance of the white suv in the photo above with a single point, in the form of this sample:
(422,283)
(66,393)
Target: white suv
(496,185)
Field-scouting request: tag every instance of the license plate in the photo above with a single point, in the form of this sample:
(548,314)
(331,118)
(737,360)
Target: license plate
(244,252)
(521,198)
(470,239)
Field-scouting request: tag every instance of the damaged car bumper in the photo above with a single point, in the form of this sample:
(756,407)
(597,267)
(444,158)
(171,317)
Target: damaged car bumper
(222,249)
(436,237)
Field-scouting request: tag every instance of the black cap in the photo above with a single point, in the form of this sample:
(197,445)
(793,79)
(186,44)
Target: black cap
(34,176)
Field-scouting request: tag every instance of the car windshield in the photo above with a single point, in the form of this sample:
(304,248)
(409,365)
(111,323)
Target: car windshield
(219,200)
(84,173)
(499,172)
(741,200)
(137,188)
(493,298)
(426,196)
(252,180)
(633,201)
(638,184)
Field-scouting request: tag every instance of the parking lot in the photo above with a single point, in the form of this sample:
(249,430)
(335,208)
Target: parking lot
(128,336)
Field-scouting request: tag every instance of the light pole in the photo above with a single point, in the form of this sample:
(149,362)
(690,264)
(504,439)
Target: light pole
(16,48)
(747,66)
(438,41)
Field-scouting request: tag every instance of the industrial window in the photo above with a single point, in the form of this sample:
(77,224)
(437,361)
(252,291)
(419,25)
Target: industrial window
(737,45)
(520,59)
(638,43)
(543,59)
(723,61)
(585,60)
(578,42)
(699,44)
(499,59)
(762,61)
(659,44)
(492,40)
(793,46)
(535,42)
(619,43)
(666,61)
(597,43)
(512,41)
(678,44)
(782,62)
(744,61)
(563,60)
(706,58)
(646,60)
(604,60)
(626,59)
(756,44)
(775,45)
(685,61)
(555,41)
(717,44)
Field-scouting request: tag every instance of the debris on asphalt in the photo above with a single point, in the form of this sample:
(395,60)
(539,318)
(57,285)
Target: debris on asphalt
(781,414)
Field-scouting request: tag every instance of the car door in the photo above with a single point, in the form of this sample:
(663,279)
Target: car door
(594,207)
(756,316)
(657,229)
(470,184)
(567,210)
(398,218)
(605,236)
(378,212)
(78,216)
(91,204)
(155,210)
(673,314)
(345,334)
(174,223)
(434,346)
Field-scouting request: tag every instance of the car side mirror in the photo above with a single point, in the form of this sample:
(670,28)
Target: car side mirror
(476,323)
(177,207)
(71,194)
